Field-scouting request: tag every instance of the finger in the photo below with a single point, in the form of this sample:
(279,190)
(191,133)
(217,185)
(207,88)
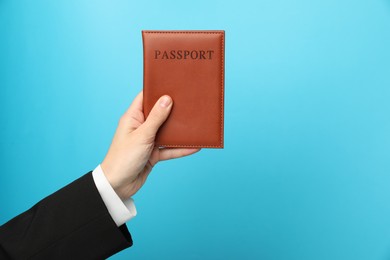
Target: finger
(157,115)
(133,117)
(136,105)
(173,153)
(144,175)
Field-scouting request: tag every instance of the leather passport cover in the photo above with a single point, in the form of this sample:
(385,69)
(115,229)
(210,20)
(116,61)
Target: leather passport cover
(189,67)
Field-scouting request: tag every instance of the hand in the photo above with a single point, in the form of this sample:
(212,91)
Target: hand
(132,153)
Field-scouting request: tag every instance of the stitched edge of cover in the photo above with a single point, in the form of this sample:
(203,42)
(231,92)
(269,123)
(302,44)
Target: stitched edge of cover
(222,84)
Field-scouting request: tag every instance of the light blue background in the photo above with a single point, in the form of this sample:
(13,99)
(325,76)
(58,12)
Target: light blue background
(306,169)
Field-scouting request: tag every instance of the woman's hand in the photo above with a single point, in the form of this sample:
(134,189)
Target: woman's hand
(132,153)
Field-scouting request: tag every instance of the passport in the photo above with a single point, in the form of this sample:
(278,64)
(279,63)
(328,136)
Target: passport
(189,66)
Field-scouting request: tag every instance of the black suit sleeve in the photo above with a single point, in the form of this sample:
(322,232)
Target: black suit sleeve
(72,223)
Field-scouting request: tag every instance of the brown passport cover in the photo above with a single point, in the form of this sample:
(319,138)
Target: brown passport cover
(189,67)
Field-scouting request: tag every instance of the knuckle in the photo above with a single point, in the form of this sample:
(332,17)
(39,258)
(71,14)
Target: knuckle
(122,120)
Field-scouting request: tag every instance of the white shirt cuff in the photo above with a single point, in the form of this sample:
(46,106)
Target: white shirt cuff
(120,211)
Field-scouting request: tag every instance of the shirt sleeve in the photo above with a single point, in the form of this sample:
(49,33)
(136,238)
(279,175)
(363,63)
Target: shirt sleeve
(120,211)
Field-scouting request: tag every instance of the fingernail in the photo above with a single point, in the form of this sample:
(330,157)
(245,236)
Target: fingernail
(165,101)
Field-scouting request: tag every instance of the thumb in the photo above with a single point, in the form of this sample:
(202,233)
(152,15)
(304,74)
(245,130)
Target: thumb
(157,115)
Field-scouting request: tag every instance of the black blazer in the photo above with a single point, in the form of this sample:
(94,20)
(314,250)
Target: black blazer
(72,223)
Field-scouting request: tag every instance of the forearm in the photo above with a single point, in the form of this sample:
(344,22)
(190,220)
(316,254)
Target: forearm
(72,223)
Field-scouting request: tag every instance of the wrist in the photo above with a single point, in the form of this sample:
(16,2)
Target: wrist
(111,176)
